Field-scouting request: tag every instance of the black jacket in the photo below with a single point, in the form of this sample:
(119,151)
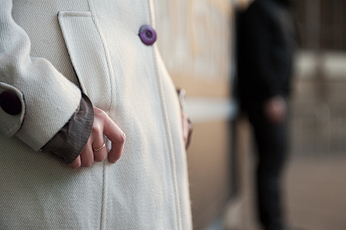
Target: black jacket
(265,38)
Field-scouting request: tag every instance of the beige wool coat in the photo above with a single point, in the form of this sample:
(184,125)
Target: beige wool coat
(52,50)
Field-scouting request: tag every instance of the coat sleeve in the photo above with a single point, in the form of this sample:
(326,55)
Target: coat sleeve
(69,142)
(36,101)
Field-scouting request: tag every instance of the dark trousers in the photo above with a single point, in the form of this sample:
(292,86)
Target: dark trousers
(271,142)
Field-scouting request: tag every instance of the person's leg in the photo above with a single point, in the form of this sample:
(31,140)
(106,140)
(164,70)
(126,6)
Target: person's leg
(271,148)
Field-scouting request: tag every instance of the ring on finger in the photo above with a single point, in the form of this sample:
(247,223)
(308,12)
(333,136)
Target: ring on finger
(98,149)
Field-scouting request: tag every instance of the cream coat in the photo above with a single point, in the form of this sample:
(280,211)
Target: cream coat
(44,46)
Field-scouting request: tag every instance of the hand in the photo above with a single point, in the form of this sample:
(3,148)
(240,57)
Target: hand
(187,129)
(275,109)
(186,123)
(102,125)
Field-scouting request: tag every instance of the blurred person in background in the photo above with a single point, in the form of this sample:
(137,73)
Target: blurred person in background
(266,39)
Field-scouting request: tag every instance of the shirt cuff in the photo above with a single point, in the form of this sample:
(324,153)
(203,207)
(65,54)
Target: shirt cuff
(69,142)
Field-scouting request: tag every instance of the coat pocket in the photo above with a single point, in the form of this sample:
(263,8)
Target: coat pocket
(88,55)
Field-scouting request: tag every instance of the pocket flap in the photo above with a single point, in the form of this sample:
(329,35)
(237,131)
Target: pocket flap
(88,55)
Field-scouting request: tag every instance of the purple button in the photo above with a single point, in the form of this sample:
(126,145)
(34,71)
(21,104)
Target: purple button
(10,103)
(147,34)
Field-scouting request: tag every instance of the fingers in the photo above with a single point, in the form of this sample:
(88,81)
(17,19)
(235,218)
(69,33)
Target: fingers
(187,129)
(185,124)
(100,150)
(275,110)
(75,164)
(95,149)
(190,124)
(118,137)
(113,133)
(87,155)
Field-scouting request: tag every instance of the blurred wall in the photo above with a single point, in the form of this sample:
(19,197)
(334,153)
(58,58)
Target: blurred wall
(321,24)
(195,42)
(195,38)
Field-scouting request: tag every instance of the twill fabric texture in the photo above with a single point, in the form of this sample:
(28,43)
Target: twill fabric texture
(50,52)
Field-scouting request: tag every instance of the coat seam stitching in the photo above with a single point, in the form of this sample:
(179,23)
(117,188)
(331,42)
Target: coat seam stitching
(110,72)
(170,142)
(167,126)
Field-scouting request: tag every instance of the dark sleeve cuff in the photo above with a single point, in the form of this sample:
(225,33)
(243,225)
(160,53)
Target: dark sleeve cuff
(69,142)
